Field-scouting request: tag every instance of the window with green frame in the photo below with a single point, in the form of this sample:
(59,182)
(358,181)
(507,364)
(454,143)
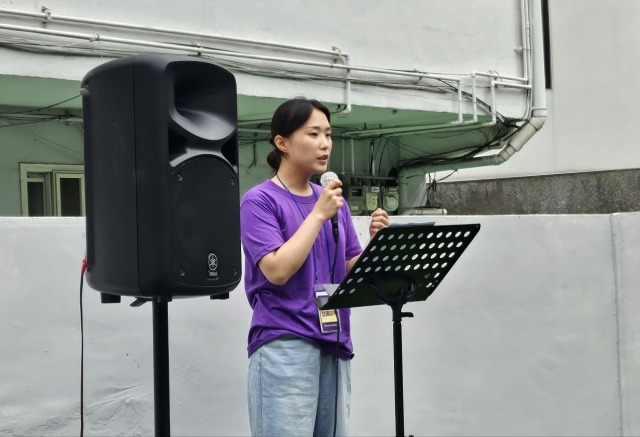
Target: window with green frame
(52,190)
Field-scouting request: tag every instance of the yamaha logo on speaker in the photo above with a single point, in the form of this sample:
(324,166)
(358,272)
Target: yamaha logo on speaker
(212,263)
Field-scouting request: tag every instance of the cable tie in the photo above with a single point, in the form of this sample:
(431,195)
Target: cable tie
(47,14)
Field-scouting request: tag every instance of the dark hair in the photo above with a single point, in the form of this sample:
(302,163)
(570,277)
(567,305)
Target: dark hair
(287,118)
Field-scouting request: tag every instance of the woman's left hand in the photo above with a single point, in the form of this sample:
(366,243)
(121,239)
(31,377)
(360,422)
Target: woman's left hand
(379,220)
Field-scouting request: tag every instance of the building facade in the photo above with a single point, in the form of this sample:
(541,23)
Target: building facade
(422,93)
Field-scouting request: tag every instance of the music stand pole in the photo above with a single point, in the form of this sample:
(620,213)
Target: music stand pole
(396,301)
(397,366)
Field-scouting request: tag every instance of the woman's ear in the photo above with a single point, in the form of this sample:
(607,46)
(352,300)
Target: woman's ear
(280,143)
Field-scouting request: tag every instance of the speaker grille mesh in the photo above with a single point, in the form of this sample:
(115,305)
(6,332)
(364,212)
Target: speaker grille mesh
(205,223)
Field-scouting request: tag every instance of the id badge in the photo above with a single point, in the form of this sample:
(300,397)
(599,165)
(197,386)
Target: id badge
(329,319)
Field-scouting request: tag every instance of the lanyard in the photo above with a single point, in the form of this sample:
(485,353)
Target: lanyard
(313,249)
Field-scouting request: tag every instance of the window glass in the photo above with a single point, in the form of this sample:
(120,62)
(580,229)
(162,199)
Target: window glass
(35,191)
(70,197)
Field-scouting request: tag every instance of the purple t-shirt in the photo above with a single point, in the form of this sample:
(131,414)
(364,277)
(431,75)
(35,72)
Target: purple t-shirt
(268,218)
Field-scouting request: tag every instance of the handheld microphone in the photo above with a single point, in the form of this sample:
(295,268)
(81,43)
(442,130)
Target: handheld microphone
(324,181)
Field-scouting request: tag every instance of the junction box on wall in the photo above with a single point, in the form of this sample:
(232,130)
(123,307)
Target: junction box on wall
(366,194)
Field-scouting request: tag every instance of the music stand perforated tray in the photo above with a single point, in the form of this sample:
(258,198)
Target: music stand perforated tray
(402,261)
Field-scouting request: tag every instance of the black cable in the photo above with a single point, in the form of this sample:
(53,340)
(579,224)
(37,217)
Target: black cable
(31,122)
(335,257)
(84,267)
(415,196)
(373,151)
(480,102)
(335,405)
(383,147)
(446,177)
(502,133)
(27,111)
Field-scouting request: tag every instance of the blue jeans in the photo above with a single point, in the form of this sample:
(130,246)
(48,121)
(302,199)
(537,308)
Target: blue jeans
(291,390)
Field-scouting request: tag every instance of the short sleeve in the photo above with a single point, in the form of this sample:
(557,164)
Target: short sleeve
(260,229)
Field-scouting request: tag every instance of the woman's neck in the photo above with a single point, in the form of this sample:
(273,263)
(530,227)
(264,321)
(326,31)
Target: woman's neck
(296,183)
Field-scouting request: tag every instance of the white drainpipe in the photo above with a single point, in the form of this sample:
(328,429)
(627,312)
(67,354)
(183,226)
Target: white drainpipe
(529,129)
(347,90)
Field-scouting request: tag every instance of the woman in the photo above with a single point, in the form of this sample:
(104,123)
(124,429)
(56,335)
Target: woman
(295,351)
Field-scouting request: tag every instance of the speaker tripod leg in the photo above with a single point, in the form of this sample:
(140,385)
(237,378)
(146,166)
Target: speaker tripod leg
(161,369)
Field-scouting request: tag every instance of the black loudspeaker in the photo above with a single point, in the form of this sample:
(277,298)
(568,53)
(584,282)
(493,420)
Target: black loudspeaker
(161,169)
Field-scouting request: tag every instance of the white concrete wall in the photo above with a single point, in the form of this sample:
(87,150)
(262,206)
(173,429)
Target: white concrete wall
(594,64)
(533,332)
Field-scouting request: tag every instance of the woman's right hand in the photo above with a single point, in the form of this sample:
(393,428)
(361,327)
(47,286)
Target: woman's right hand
(278,266)
(330,201)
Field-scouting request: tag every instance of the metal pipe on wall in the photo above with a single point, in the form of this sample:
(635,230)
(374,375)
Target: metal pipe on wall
(196,49)
(48,16)
(538,113)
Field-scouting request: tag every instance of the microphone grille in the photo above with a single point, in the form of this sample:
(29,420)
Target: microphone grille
(327,177)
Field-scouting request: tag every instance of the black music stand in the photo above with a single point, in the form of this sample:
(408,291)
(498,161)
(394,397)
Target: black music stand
(402,263)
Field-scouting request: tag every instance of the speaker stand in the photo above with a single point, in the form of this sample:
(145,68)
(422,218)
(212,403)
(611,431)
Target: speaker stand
(161,401)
